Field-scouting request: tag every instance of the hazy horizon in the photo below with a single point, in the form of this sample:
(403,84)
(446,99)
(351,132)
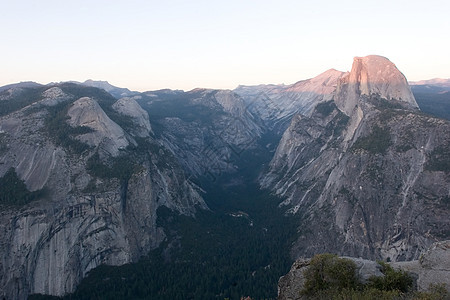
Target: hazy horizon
(150,45)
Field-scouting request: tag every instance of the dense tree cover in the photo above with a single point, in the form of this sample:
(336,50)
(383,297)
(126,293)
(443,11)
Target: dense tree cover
(122,167)
(378,141)
(13,190)
(325,108)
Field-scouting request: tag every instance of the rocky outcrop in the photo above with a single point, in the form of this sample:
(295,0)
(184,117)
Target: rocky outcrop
(105,132)
(291,285)
(370,184)
(432,268)
(96,209)
(129,107)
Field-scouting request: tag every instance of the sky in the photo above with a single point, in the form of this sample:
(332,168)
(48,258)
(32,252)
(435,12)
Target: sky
(149,45)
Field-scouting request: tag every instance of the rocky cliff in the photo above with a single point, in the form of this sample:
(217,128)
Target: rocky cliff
(366,173)
(99,187)
(206,130)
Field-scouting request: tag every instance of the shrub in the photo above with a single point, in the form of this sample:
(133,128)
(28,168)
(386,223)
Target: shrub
(327,271)
(393,280)
(435,292)
(331,277)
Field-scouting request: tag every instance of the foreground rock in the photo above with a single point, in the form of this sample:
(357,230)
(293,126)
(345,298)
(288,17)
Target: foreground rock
(432,268)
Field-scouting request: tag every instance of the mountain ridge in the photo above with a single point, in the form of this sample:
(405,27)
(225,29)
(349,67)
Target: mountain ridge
(442,82)
(364,147)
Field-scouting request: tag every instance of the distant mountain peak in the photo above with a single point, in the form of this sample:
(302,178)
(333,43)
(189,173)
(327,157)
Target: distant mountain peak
(100,84)
(117,92)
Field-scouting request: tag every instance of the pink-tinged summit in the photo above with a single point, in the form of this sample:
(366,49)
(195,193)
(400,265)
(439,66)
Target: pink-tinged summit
(373,74)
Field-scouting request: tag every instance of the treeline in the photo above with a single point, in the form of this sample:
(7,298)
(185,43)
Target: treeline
(13,190)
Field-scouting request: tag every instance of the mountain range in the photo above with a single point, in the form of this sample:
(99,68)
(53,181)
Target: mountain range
(355,163)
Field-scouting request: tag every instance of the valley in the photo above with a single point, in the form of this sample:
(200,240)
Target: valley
(212,194)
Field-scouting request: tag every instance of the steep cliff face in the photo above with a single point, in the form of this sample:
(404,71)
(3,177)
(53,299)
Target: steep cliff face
(99,199)
(277,104)
(206,130)
(367,178)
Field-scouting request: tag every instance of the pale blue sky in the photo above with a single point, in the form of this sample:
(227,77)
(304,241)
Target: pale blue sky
(147,45)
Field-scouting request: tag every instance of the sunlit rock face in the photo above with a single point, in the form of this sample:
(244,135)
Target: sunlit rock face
(364,172)
(277,104)
(373,75)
